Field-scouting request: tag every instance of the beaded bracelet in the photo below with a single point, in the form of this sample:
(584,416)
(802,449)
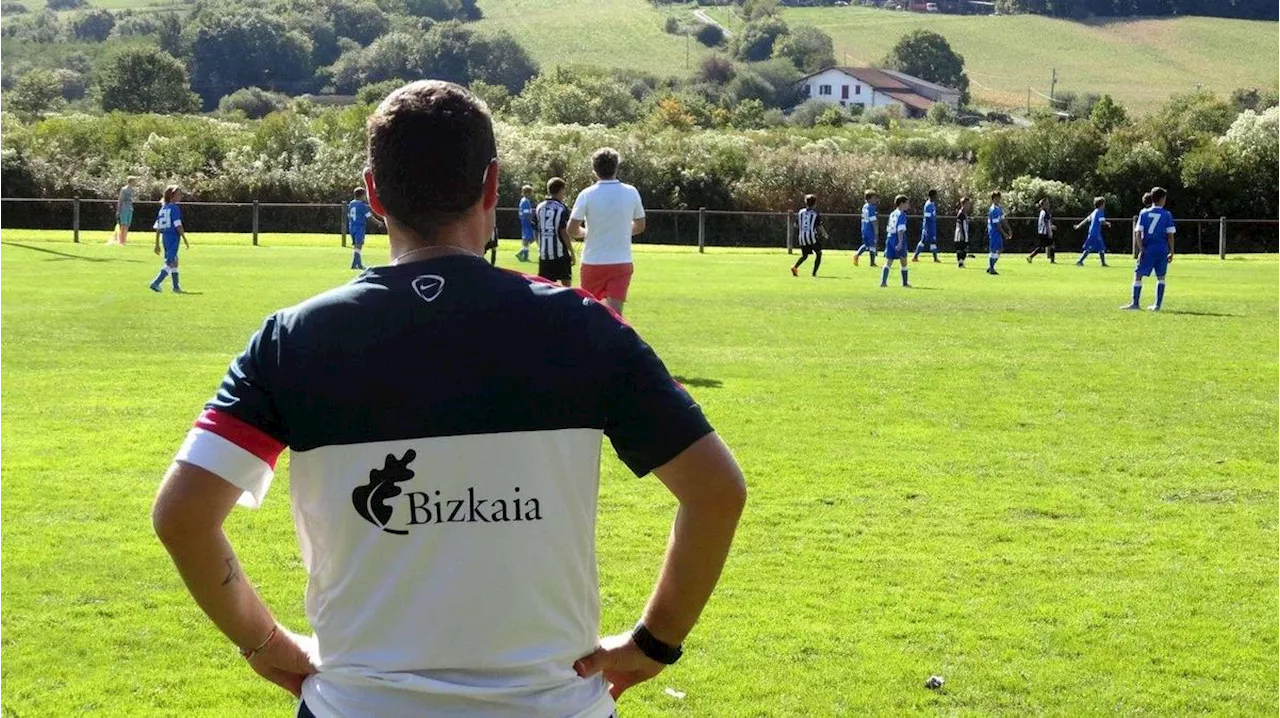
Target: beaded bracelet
(250,653)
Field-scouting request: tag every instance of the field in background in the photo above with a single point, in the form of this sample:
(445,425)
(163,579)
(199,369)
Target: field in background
(1060,507)
(1140,62)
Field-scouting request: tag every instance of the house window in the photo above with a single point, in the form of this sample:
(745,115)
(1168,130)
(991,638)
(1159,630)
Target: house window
(857,89)
(824,89)
(844,92)
(808,90)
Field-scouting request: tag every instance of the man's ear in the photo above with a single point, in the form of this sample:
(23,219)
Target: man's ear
(489,197)
(374,203)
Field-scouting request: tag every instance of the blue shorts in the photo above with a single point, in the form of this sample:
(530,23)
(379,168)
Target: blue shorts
(1095,244)
(892,251)
(869,243)
(357,239)
(928,241)
(170,249)
(1154,258)
(995,244)
(126,216)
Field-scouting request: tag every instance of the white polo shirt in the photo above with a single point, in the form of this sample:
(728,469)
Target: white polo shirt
(608,208)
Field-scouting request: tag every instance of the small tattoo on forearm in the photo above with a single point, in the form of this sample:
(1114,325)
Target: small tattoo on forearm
(233,572)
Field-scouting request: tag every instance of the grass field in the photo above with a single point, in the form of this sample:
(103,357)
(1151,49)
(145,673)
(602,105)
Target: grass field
(1062,508)
(1140,62)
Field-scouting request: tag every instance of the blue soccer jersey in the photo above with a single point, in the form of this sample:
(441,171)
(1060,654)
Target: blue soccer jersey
(994,216)
(168,220)
(1095,225)
(869,224)
(358,214)
(526,218)
(896,235)
(929,231)
(1157,228)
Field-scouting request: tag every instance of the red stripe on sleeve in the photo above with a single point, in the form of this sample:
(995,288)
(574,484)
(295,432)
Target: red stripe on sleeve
(242,434)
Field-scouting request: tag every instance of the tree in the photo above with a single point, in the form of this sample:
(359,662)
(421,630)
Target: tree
(465,10)
(497,58)
(145,79)
(809,48)
(254,102)
(749,85)
(715,70)
(360,21)
(377,92)
(72,83)
(169,34)
(710,35)
(495,96)
(246,49)
(94,26)
(941,114)
(1252,99)
(11,8)
(759,9)
(37,92)
(1108,114)
(757,38)
(928,56)
(748,115)
(66,4)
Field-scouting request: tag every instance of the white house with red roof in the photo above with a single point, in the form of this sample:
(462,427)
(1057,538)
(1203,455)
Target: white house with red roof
(875,87)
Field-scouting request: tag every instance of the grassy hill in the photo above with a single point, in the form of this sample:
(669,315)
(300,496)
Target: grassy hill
(1138,61)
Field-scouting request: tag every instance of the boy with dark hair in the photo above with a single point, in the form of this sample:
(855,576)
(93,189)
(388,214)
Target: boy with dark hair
(810,223)
(358,212)
(1044,232)
(555,249)
(997,232)
(895,243)
(868,227)
(169,231)
(443,458)
(929,228)
(962,231)
(1157,232)
(526,222)
(1137,223)
(1096,220)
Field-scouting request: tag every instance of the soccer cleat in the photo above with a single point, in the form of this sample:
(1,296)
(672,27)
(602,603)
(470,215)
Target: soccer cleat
(915,260)
(992,271)
(1131,307)
(1154,307)
(937,261)
(155,288)
(795,272)
(1105,264)
(1079,264)
(906,286)
(873,263)
(884,285)
(178,290)
(1028,260)
(855,260)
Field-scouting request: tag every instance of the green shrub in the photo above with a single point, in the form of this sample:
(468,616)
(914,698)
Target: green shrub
(253,102)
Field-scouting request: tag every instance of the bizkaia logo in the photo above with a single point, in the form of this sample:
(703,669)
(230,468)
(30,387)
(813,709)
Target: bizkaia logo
(432,507)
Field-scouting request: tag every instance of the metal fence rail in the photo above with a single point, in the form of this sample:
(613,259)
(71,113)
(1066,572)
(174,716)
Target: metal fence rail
(688,227)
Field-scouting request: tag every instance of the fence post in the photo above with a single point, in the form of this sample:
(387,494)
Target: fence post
(342,209)
(75,220)
(702,230)
(255,223)
(786,217)
(1222,238)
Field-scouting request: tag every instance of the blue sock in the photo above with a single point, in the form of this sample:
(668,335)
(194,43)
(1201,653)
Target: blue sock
(355,259)
(884,274)
(159,277)
(1159,293)
(1137,292)
(904,277)
(174,276)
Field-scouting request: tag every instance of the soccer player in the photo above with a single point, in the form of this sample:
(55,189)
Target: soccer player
(997,232)
(810,223)
(358,213)
(555,249)
(612,214)
(1137,224)
(1044,233)
(491,246)
(1096,220)
(895,243)
(526,222)
(124,211)
(1156,246)
(962,231)
(929,229)
(168,227)
(445,510)
(868,227)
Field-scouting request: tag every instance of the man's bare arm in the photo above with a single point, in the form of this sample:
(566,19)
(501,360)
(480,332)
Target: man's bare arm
(575,229)
(637,226)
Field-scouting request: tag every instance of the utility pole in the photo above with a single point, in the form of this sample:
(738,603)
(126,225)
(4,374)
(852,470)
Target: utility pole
(1053,82)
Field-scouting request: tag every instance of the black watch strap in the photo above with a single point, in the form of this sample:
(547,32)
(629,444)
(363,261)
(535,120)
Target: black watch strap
(651,646)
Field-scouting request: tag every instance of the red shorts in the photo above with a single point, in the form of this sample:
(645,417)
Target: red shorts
(607,280)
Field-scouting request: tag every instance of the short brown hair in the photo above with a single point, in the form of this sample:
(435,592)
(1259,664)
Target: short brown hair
(933,194)
(995,195)
(359,192)
(430,146)
(527,189)
(1158,194)
(605,162)
(869,195)
(1146,198)
(810,200)
(899,200)
(965,200)
(170,191)
(1099,202)
(555,186)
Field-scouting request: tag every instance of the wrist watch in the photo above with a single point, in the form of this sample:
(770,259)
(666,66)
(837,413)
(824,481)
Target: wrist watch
(651,646)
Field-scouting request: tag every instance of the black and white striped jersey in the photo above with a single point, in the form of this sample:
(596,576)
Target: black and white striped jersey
(551,217)
(809,221)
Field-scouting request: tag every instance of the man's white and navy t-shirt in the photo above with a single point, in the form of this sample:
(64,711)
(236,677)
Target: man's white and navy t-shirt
(551,217)
(445,505)
(608,207)
(809,221)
